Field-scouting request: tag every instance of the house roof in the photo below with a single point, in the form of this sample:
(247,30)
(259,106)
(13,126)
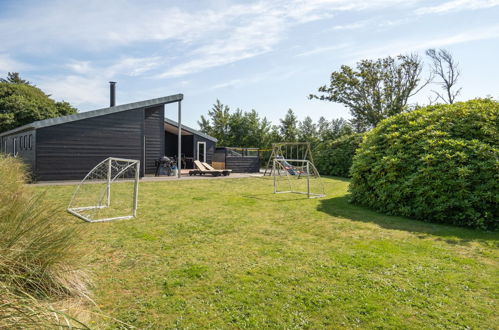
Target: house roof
(191,130)
(96,113)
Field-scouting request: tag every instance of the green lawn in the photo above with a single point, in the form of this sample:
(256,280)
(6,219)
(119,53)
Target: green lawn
(230,254)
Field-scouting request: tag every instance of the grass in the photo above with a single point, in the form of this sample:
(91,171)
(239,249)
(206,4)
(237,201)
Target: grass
(230,254)
(38,264)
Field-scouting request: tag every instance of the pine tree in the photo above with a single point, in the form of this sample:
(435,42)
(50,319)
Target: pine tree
(289,127)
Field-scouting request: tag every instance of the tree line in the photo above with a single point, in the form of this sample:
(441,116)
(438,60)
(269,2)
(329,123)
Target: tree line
(247,129)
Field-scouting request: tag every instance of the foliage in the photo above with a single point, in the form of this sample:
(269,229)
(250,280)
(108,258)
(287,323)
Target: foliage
(241,129)
(217,123)
(289,127)
(334,157)
(331,130)
(14,78)
(437,164)
(22,103)
(307,131)
(376,90)
(248,129)
(38,260)
(229,253)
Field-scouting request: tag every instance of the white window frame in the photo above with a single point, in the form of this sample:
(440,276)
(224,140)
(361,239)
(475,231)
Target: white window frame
(14,147)
(204,150)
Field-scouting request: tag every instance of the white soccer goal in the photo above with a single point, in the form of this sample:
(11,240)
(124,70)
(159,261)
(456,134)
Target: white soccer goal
(297,176)
(108,192)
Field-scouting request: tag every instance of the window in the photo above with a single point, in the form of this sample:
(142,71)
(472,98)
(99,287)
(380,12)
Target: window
(25,144)
(14,147)
(30,141)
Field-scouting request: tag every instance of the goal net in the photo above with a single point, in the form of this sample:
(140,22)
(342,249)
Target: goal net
(297,176)
(108,192)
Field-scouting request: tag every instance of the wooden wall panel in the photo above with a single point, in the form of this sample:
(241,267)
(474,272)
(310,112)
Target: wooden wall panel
(69,151)
(154,136)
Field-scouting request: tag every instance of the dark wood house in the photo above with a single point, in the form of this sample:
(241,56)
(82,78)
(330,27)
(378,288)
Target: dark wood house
(67,148)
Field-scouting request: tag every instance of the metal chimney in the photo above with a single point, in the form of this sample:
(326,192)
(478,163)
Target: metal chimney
(112,93)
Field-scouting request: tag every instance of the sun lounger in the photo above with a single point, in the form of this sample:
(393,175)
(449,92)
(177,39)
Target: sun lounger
(201,170)
(224,171)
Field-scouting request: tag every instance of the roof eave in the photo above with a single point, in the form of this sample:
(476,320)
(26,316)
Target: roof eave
(191,130)
(95,113)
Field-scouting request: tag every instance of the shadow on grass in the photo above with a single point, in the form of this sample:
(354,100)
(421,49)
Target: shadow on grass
(340,207)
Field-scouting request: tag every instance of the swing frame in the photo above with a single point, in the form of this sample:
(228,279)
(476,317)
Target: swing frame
(285,149)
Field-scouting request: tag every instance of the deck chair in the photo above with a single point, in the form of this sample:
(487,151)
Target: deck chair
(225,172)
(201,170)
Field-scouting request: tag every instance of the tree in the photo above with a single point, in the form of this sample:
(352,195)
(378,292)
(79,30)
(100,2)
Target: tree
(22,103)
(218,123)
(334,129)
(289,127)
(238,129)
(307,131)
(376,90)
(447,70)
(14,78)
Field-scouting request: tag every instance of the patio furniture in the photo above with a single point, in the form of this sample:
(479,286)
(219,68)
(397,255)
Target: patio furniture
(201,170)
(225,172)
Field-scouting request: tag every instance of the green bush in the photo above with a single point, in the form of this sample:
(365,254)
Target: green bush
(22,104)
(38,260)
(334,157)
(438,163)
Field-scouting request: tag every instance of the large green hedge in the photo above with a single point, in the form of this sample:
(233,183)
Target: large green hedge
(334,157)
(439,164)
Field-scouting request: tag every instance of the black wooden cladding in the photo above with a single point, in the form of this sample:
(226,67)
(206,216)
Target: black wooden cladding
(25,142)
(243,164)
(70,150)
(154,137)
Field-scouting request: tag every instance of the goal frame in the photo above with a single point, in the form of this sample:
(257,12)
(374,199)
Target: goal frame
(308,164)
(110,179)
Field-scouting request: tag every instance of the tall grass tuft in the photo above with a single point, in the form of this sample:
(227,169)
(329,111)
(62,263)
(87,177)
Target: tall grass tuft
(38,260)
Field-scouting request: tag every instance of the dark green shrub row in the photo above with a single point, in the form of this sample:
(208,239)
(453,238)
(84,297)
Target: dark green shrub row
(438,164)
(334,157)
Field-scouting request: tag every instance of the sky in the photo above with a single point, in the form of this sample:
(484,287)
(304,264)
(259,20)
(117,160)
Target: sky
(262,55)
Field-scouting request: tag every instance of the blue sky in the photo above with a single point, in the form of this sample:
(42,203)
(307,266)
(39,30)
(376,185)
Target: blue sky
(262,55)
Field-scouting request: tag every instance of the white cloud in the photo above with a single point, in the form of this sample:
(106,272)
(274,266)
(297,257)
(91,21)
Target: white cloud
(404,47)
(324,49)
(206,37)
(352,26)
(81,67)
(81,91)
(458,5)
(8,64)
(133,66)
(227,84)
(86,83)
